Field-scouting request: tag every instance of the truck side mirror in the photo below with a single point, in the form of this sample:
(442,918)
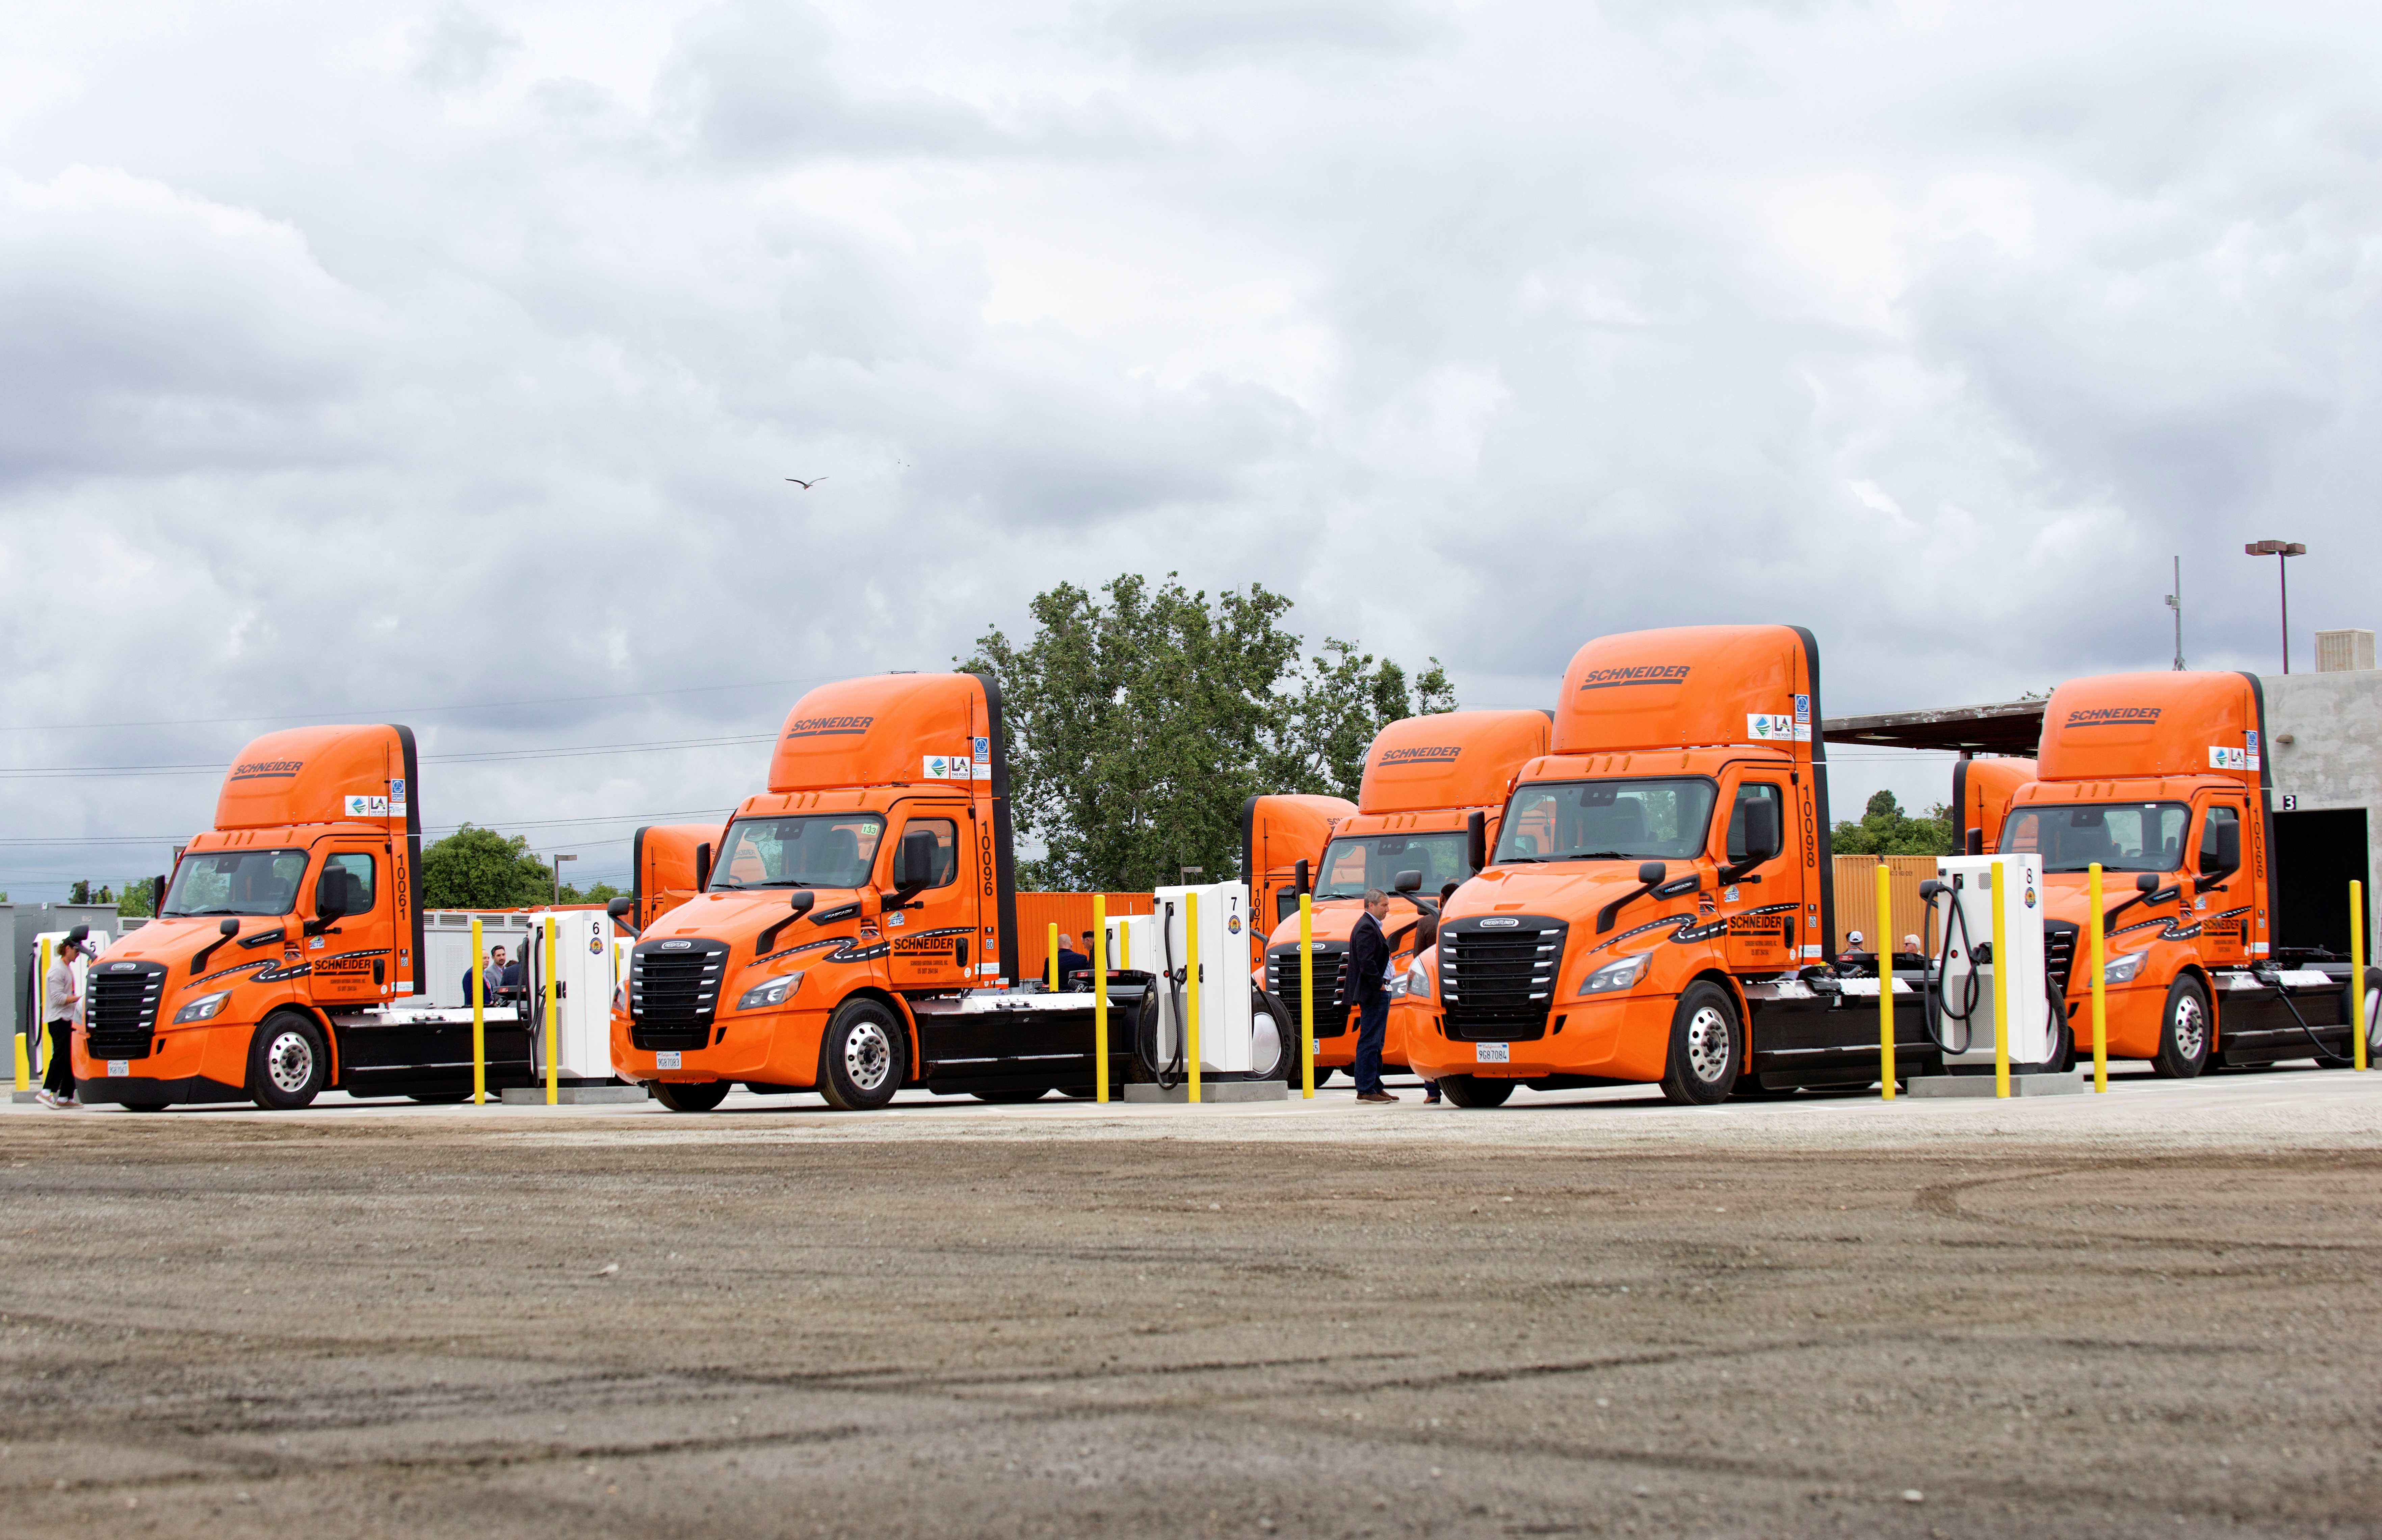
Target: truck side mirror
(1762,839)
(1975,841)
(1652,872)
(2147,883)
(2221,854)
(1406,882)
(621,909)
(703,866)
(1302,878)
(913,864)
(1476,839)
(228,927)
(331,895)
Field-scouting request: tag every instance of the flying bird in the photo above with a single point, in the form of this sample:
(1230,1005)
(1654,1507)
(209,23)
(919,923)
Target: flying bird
(806,485)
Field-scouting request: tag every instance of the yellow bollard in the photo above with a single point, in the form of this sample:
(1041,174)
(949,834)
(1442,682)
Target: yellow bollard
(1191,973)
(1052,968)
(2357,1028)
(2001,988)
(1306,995)
(552,1021)
(1885,982)
(1101,999)
(2100,982)
(479,1020)
(1125,945)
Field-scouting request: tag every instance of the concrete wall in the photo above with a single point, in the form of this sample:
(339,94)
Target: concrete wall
(2334,759)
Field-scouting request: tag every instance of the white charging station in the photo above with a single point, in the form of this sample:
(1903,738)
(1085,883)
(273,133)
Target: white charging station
(587,966)
(1164,943)
(1967,964)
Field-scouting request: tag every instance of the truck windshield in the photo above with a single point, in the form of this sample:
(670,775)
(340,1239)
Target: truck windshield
(2123,837)
(1585,821)
(819,850)
(236,883)
(1353,865)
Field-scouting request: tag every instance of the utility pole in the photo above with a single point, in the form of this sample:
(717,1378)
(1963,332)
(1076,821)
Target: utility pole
(2175,602)
(1189,873)
(2282,552)
(557,877)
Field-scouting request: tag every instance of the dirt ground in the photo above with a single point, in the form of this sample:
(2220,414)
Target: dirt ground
(780,1323)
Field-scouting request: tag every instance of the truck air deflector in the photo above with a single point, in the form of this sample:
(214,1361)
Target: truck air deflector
(1003,843)
(408,758)
(1824,869)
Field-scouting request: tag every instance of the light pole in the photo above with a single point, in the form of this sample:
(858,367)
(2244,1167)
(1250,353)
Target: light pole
(1189,873)
(2282,552)
(558,877)
(2175,602)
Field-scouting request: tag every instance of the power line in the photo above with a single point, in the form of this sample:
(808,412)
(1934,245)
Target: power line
(407,710)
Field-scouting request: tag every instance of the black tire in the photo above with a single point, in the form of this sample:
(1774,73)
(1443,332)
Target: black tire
(1268,1019)
(1706,1042)
(144,1106)
(2373,1003)
(690,1096)
(1472,1091)
(2063,1039)
(1322,1073)
(287,1064)
(1013,1096)
(864,1057)
(2185,1032)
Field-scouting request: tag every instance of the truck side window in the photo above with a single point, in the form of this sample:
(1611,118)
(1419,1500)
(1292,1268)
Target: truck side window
(359,868)
(1751,791)
(947,848)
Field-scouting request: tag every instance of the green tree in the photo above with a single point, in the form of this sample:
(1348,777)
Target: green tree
(1886,830)
(479,869)
(1137,724)
(138,899)
(594,893)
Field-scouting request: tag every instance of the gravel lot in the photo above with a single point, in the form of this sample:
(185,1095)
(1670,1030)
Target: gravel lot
(2153,1313)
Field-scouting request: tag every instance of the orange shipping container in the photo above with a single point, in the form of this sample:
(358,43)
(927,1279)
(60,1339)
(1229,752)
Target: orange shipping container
(1073,913)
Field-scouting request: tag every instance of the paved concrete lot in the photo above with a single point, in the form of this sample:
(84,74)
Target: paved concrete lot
(2153,1312)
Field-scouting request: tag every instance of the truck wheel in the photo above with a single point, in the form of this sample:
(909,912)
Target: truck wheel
(2183,1039)
(1701,1067)
(1273,1046)
(1322,1073)
(2371,999)
(691,1096)
(1468,1090)
(864,1058)
(288,1065)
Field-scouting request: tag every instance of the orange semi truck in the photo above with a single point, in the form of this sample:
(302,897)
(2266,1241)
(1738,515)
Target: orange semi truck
(1657,907)
(2160,779)
(287,930)
(858,931)
(1428,781)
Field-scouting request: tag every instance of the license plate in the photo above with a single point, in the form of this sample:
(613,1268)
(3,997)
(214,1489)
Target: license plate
(118,1067)
(668,1059)
(1493,1052)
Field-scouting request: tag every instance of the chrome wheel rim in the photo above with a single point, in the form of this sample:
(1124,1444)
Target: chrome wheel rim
(2374,1019)
(289,1062)
(1267,1030)
(867,1056)
(2191,1027)
(1708,1044)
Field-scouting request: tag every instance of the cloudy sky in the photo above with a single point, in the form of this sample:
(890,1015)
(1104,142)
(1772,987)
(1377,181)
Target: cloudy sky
(442,363)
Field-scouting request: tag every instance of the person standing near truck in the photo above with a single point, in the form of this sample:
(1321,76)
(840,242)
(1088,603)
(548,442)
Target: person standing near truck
(1368,963)
(62,1011)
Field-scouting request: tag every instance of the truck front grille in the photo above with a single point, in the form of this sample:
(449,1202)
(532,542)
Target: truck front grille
(122,1009)
(1331,983)
(1497,976)
(674,992)
(2059,956)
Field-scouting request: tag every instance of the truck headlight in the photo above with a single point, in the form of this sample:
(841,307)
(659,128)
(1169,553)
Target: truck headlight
(2121,969)
(1616,975)
(774,992)
(204,1008)
(1418,982)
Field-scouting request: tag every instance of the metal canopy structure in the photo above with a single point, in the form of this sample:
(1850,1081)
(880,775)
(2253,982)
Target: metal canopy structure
(2004,727)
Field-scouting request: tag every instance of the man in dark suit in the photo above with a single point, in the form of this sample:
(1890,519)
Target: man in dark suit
(1369,985)
(1071,961)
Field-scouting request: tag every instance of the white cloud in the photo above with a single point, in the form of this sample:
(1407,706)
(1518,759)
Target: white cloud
(369,361)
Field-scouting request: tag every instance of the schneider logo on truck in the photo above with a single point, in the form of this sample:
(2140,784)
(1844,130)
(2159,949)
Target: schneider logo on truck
(2113,716)
(821,727)
(1435,755)
(1644,673)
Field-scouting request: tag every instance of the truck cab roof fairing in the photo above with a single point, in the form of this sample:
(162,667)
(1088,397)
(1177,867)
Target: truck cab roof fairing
(306,775)
(1451,759)
(884,730)
(2120,726)
(1689,685)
